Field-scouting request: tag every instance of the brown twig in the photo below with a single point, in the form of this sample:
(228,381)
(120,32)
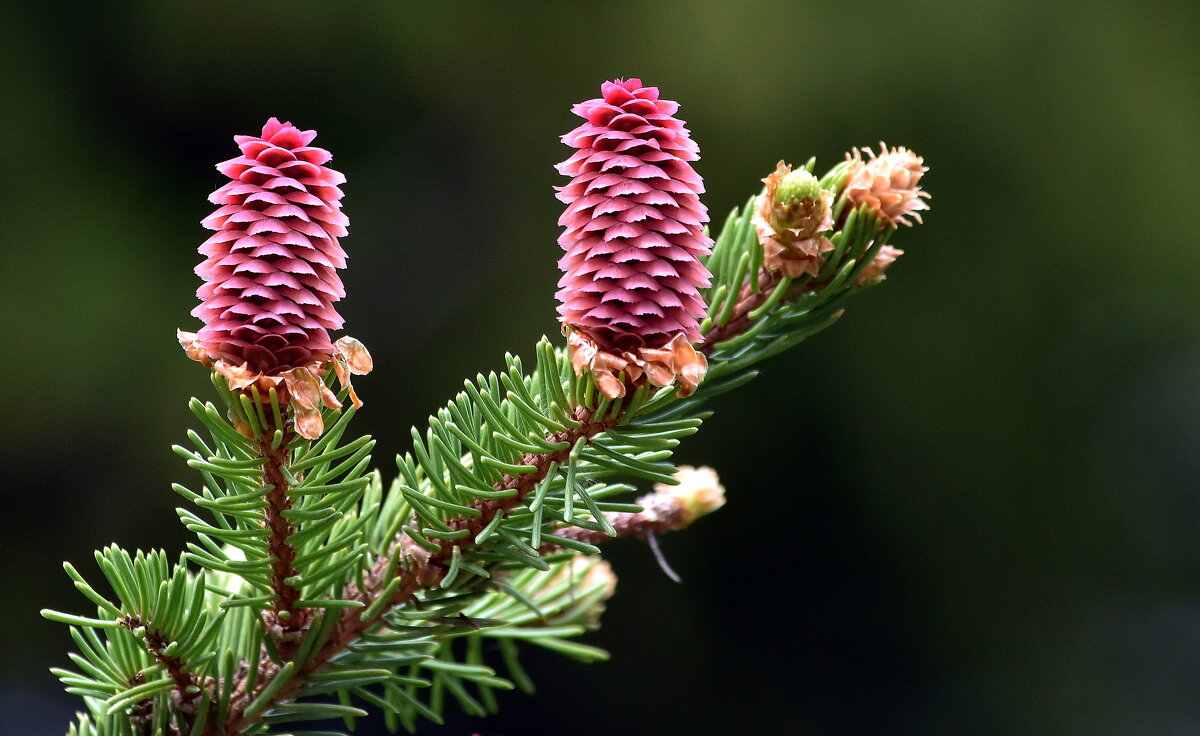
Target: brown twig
(184,678)
(284,619)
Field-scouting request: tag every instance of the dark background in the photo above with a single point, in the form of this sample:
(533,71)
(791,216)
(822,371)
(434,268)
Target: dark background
(970,507)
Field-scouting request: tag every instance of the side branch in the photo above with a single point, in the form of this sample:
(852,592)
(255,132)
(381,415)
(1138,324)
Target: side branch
(662,513)
(667,509)
(187,685)
(524,483)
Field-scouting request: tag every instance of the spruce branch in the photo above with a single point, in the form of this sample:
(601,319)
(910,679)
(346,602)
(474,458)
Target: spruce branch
(318,584)
(408,568)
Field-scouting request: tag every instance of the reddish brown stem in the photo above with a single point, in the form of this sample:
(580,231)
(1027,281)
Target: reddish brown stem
(184,679)
(284,619)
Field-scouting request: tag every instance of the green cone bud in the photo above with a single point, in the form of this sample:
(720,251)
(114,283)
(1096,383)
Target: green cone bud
(798,184)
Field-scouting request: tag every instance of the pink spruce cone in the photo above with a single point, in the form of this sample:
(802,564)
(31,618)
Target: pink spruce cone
(270,276)
(634,233)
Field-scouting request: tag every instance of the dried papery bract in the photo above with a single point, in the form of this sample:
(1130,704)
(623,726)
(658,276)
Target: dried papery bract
(634,234)
(611,369)
(270,275)
(888,184)
(793,218)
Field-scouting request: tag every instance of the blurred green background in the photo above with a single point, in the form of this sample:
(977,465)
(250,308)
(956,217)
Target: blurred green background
(970,507)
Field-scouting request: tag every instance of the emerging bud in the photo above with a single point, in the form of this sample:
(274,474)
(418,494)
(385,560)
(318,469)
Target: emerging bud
(793,215)
(270,274)
(873,271)
(634,231)
(888,184)
(796,186)
(600,576)
(667,508)
(699,493)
